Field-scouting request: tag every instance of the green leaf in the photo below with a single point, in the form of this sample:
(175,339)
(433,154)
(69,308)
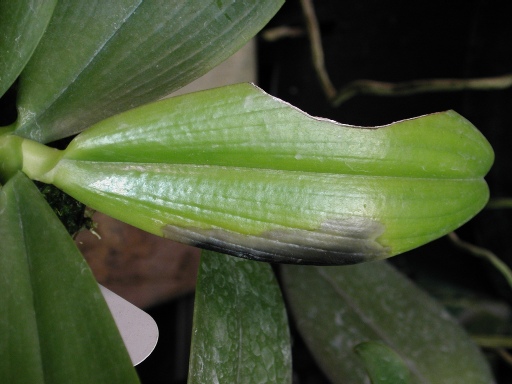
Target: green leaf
(238,171)
(240,330)
(55,326)
(338,308)
(22,23)
(99,57)
(384,366)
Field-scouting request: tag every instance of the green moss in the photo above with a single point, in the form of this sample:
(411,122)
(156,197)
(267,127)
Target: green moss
(72,213)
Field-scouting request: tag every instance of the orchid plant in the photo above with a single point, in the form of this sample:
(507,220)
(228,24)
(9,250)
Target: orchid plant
(231,170)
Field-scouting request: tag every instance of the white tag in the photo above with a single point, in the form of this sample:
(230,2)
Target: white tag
(138,330)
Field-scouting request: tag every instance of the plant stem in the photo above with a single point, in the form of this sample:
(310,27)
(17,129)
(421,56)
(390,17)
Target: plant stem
(278,33)
(493,341)
(484,253)
(499,203)
(36,160)
(39,160)
(499,343)
(316,48)
(505,355)
(380,88)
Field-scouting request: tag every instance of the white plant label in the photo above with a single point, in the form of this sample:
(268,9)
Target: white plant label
(138,329)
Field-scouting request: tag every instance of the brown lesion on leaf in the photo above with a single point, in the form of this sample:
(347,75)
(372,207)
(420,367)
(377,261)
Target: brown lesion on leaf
(335,242)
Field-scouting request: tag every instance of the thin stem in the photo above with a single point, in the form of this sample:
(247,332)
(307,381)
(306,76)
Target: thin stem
(278,33)
(317,51)
(492,341)
(505,355)
(499,203)
(497,342)
(483,253)
(380,88)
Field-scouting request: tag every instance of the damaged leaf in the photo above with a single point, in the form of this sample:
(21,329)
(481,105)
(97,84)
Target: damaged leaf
(238,171)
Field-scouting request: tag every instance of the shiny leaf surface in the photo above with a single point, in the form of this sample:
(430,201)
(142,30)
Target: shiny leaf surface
(238,171)
(55,326)
(98,58)
(374,302)
(240,330)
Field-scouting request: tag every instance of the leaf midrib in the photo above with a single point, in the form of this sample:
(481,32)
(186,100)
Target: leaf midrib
(367,321)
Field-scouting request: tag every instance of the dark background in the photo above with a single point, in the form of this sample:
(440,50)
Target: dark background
(392,41)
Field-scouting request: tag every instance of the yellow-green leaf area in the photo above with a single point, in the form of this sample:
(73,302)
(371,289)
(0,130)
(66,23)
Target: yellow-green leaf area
(242,126)
(238,171)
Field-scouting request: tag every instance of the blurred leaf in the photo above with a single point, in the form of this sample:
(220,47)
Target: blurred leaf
(240,330)
(238,171)
(384,366)
(99,58)
(55,326)
(473,308)
(373,301)
(22,23)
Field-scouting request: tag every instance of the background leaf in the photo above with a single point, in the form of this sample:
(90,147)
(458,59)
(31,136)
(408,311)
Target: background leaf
(22,23)
(103,57)
(55,326)
(384,366)
(240,330)
(371,302)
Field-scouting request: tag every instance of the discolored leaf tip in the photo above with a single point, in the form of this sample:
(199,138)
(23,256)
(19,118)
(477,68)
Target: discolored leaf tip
(334,243)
